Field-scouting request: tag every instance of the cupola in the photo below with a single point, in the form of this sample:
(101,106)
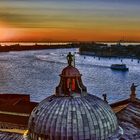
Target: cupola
(70,82)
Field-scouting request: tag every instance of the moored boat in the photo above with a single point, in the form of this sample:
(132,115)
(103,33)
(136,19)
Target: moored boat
(121,67)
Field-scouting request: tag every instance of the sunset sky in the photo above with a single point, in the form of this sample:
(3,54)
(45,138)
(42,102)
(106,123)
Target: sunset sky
(74,20)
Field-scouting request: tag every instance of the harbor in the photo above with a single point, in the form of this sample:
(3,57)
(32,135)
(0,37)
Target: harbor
(75,102)
(34,73)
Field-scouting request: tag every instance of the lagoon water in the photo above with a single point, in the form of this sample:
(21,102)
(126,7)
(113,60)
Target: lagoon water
(37,73)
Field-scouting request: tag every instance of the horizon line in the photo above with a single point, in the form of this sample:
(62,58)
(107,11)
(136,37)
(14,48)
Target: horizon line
(105,41)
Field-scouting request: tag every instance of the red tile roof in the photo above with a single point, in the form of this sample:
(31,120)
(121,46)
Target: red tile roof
(15,108)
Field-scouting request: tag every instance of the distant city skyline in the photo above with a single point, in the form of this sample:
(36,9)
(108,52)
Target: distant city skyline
(75,20)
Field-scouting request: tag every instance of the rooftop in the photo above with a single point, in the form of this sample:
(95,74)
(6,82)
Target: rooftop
(10,136)
(15,110)
(128,114)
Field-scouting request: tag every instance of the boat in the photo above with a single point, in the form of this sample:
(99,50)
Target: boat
(121,67)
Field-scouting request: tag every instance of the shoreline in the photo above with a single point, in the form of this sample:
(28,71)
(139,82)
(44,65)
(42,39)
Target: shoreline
(18,47)
(108,56)
(105,50)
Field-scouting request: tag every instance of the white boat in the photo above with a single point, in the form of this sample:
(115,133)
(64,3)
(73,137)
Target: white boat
(121,67)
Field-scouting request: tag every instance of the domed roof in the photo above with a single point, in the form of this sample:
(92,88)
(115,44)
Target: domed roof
(70,71)
(72,113)
(73,118)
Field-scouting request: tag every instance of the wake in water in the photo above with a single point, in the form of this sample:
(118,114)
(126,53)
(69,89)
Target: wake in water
(54,58)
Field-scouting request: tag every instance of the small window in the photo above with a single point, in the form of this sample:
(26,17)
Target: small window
(68,83)
(73,84)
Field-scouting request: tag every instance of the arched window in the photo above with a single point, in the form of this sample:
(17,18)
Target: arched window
(68,83)
(73,84)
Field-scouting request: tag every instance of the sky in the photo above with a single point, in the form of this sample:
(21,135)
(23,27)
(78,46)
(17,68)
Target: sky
(69,20)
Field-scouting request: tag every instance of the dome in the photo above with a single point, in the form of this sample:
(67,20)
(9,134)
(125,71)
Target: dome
(70,71)
(70,82)
(72,118)
(71,113)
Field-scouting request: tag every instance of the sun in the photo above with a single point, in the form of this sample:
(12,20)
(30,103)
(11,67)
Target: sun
(6,32)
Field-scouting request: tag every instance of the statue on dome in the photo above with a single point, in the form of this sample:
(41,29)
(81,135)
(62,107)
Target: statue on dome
(133,92)
(70,58)
(133,87)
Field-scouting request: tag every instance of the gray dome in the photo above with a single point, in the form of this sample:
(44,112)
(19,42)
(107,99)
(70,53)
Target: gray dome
(72,118)
(72,114)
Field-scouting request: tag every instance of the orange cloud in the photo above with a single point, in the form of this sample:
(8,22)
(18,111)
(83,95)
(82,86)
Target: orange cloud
(58,34)
(26,34)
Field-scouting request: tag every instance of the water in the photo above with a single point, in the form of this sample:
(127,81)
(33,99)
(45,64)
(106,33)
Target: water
(37,73)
